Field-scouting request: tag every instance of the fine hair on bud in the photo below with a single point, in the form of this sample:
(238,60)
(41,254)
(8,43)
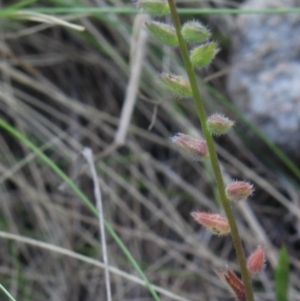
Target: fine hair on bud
(195,32)
(197,148)
(179,85)
(239,190)
(165,33)
(216,223)
(203,55)
(218,124)
(154,7)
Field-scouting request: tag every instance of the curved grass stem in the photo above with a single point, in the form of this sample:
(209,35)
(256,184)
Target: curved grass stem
(213,154)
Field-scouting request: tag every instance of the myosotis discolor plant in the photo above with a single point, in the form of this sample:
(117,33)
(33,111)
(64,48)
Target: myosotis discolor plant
(204,149)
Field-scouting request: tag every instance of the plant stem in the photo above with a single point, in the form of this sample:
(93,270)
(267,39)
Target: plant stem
(213,154)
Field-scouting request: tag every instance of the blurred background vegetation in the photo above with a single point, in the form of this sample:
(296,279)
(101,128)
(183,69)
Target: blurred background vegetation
(63,88)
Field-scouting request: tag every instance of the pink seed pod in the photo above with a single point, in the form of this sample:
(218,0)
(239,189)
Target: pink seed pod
(216,223)
(195,147)
(256,260)
(234,284)
(239,190)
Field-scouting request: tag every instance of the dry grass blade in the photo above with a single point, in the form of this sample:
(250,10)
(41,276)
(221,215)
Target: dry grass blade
(137,57)
(42,18)
(88,154)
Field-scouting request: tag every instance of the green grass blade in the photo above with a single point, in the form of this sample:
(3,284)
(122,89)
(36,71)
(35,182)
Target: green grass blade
(6,292)
(131,10)
(21,4)
(18,135)
(282,276)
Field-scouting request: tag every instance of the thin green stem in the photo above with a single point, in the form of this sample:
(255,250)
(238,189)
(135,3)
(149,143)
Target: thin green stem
(213,154)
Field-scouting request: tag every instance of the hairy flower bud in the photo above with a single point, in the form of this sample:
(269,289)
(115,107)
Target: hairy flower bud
(203,55)
(154,7)
(216,223)
(197,148)
(232,281)
(256,260)
(195,32)
(218,124)
(239,190)
(163,32)
(178,85)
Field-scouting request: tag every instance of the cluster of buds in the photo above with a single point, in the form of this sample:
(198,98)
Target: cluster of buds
(219,225)
(235,191)
(217,124)
(192,31)
(255,263)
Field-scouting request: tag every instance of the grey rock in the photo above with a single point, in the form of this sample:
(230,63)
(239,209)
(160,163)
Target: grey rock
(265,78)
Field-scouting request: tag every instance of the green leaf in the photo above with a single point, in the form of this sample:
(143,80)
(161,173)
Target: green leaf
(163,32)
(202,55)
(282,275)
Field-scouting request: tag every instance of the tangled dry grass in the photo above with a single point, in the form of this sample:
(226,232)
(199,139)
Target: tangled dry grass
(65,90)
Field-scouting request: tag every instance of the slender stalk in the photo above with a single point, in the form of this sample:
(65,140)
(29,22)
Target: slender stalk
(213,154)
